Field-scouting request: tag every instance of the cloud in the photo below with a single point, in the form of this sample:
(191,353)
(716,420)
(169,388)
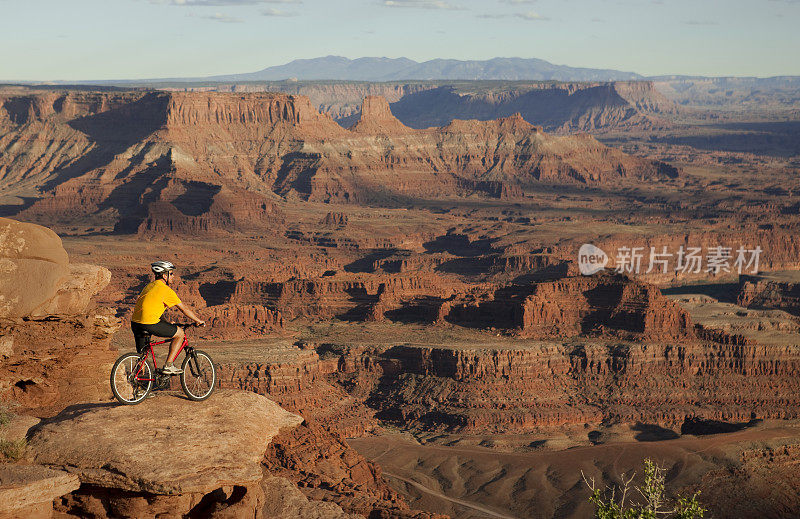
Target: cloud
(208,3)
(421,4)
(222,18)
(531,15)
(700,22)
(517,2)
(276,12)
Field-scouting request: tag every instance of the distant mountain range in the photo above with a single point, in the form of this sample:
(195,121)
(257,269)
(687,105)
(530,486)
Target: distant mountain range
(374,69)
(394,69)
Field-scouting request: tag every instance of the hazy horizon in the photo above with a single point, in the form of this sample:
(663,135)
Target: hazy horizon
(146,39)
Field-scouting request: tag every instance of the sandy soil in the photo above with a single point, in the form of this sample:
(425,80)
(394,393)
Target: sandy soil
(481,482)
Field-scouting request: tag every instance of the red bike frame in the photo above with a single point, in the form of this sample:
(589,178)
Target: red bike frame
(153,353)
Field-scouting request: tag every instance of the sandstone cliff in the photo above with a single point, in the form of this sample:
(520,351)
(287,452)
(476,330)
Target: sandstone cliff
(778,290)
(54,342)
(558,106)
(561,107)
(198,163)
(551,353)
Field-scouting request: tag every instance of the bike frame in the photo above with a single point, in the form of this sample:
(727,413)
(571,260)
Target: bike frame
(153,354)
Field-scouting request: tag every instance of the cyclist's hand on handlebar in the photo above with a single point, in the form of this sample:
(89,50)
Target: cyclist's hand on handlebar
(200,323)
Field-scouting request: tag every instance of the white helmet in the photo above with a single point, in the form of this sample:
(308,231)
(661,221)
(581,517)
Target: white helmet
(159,267)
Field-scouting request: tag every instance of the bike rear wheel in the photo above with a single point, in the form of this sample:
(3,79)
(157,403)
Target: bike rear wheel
(199,376)
(126,385)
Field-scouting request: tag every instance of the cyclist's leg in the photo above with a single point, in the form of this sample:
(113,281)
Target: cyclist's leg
(175,344)
(168,331)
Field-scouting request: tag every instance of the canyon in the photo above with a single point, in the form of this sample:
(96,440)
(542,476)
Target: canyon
(413,291)
(561,107)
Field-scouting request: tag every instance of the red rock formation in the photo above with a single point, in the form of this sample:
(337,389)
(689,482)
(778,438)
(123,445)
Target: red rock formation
(37,280)
(577,305)
(609,349)
(29,490)
(302,382)
(192,163)
(562,107)
(780,250)
(333,296)
(57,362)
(322,464)
(377,119)
(233,321)
(53,341)
(779,290)
(334,220)
(481,390)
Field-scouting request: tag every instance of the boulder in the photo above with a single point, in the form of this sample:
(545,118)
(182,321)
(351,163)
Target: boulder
(36,279)
(166,445)
(74,292)
(28,491)
(283,500)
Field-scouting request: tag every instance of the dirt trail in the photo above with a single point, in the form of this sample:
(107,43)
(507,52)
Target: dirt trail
(460,502)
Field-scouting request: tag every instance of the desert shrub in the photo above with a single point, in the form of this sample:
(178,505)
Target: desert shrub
(13,450)
(10,450)
(5,415)
(648,501)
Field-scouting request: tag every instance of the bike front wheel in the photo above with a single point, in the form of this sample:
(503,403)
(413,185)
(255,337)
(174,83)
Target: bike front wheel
(199,376)
(131,379)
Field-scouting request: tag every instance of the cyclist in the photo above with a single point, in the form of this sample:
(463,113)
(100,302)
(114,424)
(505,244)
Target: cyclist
(147,318)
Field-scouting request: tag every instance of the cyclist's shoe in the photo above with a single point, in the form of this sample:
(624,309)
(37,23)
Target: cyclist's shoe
(171,369)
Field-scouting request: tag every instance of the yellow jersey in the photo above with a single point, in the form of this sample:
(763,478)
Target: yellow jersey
(153,301)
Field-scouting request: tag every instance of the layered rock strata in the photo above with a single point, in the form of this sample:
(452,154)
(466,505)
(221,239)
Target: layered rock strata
(28,491)
(578,350)
(196,163)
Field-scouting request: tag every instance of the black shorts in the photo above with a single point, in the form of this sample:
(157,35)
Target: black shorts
(143,332)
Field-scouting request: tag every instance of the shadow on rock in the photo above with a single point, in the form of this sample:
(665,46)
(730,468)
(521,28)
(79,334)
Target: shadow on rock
(652,433)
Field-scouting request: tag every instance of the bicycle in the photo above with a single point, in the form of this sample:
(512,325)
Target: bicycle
(132,377)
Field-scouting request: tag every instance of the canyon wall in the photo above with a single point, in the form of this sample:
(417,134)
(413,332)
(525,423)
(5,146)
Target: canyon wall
(772,290)
(208,162)
(557,106)
(536,385)
(571,351)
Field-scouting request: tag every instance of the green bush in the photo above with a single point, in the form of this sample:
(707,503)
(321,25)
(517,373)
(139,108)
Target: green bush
(642,502)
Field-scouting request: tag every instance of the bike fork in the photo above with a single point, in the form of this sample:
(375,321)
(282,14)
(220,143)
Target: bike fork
(193,364)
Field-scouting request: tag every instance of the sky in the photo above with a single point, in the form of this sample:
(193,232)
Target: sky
(45,40)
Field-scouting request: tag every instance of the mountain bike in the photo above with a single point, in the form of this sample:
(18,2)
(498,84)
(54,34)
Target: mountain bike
(134,375)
